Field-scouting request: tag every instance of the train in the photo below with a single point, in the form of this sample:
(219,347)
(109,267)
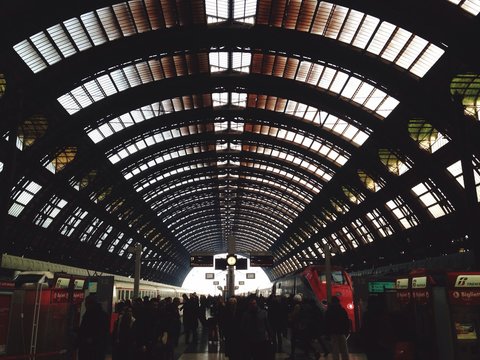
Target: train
(311,283)
(30,271)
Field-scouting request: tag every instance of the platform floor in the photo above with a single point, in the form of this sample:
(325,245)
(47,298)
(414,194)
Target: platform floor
(202,350)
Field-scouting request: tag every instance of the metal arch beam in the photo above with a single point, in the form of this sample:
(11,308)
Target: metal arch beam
(461,26)
(203,195)
(139,96)
(280,210)
(251,171)
(208,115)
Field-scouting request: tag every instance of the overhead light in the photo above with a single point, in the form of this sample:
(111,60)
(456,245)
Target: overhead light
(231,259)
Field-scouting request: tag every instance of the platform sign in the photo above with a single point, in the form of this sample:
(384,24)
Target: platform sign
(201,260)
(261,260)
(403,290)
(421,289)
(464,288)
(379,287)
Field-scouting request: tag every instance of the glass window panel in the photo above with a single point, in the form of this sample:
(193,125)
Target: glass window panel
(94,28)
(62,41)
(77,33)
(45,47)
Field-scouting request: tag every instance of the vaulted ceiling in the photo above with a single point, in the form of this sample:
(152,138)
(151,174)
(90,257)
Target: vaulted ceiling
(289,126)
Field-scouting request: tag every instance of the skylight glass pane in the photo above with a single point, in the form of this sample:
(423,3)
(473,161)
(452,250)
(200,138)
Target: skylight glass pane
(30,56)
(471,6)
(245,10)
(61,40)
(427,60)
(218,61)
(94,28)
(396,44)
(81,96)
(241,61)
(220,99)
(45,47)
(75,29)
(413,50)
(365,31)
(380,38)
(457,172)
(109,23)
(216,10)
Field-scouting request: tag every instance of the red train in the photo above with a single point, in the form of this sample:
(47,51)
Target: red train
(311,283)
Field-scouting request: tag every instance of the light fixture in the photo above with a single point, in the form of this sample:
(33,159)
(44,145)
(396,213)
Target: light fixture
(231,259)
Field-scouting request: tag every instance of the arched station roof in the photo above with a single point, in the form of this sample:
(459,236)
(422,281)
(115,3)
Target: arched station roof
(290,125)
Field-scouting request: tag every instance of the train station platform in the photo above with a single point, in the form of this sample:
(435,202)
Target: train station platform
(203,350)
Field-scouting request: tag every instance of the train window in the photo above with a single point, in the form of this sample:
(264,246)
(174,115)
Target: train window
(337,278)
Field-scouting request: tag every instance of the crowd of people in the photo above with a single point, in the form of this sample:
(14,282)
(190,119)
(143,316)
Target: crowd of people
(249,328)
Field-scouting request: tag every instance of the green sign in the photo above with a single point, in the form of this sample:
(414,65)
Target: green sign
(380,286)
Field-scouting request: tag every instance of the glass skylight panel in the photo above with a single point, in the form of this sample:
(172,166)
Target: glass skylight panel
(78,34)
(433,199)
(331,79)
(220,99)
(90,230)
(403,212)
(360,30)
(72,222)
(218,61)
(395,163)
(380,223)
(287,175)
(1,166)
(118,80)
(44,46)
(109,23)
(49,211)
(317,145)
(124,121)
(347,234)
(241,61)
(362,230)
(471,6)
(94,28)
(239,99)
(217,10)
(22,197)
(281,199)
(30,56)
(245,10)
(457,172)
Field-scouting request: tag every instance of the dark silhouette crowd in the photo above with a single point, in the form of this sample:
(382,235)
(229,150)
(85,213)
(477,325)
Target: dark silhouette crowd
(246,327)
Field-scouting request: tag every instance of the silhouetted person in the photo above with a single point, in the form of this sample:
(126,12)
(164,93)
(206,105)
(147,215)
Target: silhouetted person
(377,333)
(338,327)
(93,331)
(256,332)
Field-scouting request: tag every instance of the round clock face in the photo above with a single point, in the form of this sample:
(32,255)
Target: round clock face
(231,260)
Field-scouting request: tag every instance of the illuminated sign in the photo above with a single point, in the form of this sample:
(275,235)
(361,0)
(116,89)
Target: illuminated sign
(467,281)
(401,284)
(380,286)
(209,276)
(250,275)
(419,282)
(201,260)
(261,260)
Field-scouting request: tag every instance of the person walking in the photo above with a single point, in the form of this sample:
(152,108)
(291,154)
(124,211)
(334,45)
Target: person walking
(338,327)
(93,331)
(256,333)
